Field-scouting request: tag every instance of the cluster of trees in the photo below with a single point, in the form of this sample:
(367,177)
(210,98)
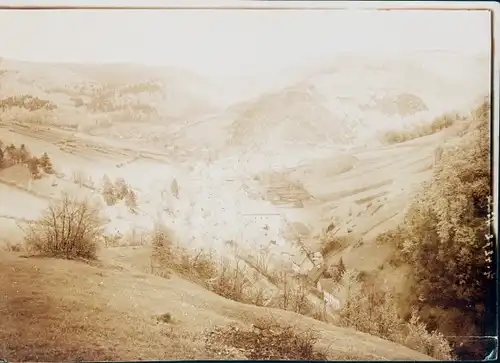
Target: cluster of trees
(110,99)
(438,124)
(374,310)
(403,104)
(447,239)
(119,190)
(141,87)
(11,155)
(31,103)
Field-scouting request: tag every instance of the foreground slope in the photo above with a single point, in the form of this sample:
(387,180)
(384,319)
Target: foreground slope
(64,310)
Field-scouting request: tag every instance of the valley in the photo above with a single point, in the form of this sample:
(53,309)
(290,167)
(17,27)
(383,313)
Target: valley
(265,182)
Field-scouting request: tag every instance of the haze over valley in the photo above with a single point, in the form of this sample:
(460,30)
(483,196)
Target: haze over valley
(172,208)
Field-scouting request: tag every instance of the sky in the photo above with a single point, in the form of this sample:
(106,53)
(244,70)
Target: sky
(230,42)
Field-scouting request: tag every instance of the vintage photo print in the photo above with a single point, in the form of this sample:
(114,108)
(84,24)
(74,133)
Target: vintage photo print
(248,180)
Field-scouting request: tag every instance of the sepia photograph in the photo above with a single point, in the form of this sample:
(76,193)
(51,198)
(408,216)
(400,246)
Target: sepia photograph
(248,180)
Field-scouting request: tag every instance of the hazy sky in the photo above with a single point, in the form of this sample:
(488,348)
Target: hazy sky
(224,42)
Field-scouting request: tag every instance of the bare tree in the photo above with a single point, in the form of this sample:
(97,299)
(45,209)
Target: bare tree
(69,228)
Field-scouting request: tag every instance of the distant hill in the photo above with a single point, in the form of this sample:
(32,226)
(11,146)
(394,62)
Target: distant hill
(350,98)
(138,93)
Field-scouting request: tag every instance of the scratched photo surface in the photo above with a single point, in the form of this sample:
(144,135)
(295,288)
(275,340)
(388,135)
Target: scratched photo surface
(245,184)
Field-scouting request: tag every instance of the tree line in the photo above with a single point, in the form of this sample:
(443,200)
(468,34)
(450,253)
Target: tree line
(11,155)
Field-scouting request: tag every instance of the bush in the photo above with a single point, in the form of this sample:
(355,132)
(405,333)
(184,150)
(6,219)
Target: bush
(294,296)
(230,281)
(419,339)
(69,228)
(168,256)
(131,201)
(224,277)
(82,179)
(108,191)
(375,312)
(269,341)
(331,243)
(112,240)
(33,164)
(121,188)
(165,318)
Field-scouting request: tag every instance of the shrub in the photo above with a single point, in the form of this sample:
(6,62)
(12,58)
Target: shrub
(112,240)
(82,179)
(121,188)
(2,157)
(331,243)
(230,281)
(294,294)
(12,154)
(69,228)
(375,312)
(13,247)
(168,256)
(162,242)
(269,341)
(165,318)
(108,191)
(136,238)
(419,339)
(33,164)
(131,201)
(224,277)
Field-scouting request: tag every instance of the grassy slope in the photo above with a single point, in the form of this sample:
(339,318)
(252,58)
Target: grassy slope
(62,310)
